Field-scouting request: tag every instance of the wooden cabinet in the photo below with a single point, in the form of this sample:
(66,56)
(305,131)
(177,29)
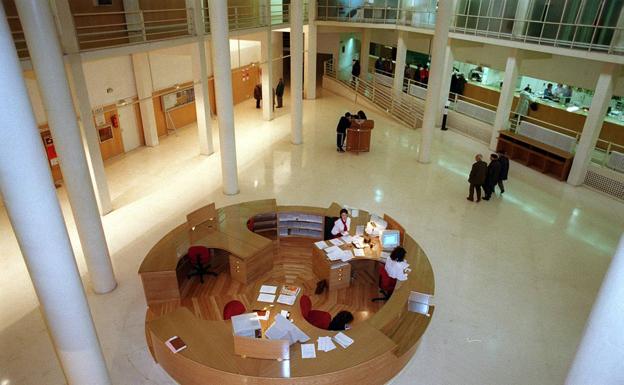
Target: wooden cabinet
(542,157)
(339,276)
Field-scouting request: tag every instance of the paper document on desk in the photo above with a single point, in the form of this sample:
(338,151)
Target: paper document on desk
(264,297)
(325,344)
(343,340)
(359,230)
(283,329)
(332,249)
(269,289)
(336,242)
(335,256)
(321,244)
(358,252)
(347,255)
(307,351)
(286,299)
(346,238)
(419,303)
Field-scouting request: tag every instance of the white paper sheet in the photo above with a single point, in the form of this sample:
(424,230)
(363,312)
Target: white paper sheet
(264,297)
(269,289)
(325,344)
(321,244)
(335,256)
(286,299)
(336,241)
(307,351)
(359,230)
(347,255)
(346,238)
(332,249)
(343,340)
(358,252)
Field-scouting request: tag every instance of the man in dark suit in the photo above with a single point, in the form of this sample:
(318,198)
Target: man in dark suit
(493,175)
(477,177)
(504,162)
(341,131)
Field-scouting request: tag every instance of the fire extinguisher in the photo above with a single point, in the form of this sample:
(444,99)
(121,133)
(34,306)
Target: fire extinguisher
(115,121)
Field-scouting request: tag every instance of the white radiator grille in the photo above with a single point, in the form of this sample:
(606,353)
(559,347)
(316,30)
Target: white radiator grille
(605,184)
(483,114)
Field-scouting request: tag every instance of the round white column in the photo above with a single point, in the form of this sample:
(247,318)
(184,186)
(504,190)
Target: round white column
(35,214)
(45,54)
(440,39)
(600,353)
(296,70)
(506,97)
(399,69)
(223,93)
(311,46)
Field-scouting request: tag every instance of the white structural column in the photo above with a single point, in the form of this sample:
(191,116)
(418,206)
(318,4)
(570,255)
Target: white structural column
(506,97)
(296,70)
(593,124)
(45,54)
(401,55)
(599,356)
(266,57)
(440,39)
(445,88)
(223,89)
(200,80)
(310,57)
(96,164)
(365,52)
(520,18)
(35,214)
(145,88)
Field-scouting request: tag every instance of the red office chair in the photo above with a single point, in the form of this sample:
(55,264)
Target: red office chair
(233,308)
(318,318)
(386,284)
(200,257)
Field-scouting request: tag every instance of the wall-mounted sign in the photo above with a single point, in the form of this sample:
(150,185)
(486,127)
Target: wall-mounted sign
(98,114)
(105,133)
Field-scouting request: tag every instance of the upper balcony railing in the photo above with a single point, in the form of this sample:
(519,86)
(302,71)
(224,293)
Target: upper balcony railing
(594,26)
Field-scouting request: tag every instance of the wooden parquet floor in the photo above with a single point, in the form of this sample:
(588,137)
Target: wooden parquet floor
(292,265)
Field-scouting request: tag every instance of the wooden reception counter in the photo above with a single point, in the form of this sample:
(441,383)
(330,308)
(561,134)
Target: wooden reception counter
(384,341)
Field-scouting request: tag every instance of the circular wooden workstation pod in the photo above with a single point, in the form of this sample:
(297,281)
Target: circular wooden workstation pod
(257,243)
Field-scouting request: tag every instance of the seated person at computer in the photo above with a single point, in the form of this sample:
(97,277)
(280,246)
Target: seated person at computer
(342,224)
(396,266)
(341,321)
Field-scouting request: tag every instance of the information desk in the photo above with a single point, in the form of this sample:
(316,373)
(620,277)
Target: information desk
(384,342)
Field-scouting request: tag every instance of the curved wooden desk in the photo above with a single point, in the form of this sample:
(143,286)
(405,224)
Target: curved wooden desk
(384,343)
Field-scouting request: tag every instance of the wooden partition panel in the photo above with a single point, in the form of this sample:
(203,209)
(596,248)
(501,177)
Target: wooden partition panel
(113,146)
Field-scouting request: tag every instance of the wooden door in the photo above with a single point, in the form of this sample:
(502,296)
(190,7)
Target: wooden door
(109,132)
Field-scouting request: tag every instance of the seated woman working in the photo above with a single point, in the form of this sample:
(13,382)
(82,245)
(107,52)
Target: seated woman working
(342,224)
(341,321)
(396,266)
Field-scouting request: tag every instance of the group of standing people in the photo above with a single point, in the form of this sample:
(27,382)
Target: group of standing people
(278,93)
(488,176)
(418,73)
(343,124)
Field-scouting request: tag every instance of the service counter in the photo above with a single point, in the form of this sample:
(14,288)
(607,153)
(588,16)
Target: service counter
(384,342)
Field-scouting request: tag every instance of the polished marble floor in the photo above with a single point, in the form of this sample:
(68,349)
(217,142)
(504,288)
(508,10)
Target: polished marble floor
(516,276)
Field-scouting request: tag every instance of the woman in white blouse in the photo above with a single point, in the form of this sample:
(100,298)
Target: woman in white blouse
(396,267)
(342,224)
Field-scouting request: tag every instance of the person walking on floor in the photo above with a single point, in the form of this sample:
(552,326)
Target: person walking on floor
(341,131)
(355,71)
(493,175)
(258,94)
(477,177)
(279,92)
(504,162)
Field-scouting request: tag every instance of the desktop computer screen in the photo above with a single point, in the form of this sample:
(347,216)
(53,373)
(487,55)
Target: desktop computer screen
(390,239)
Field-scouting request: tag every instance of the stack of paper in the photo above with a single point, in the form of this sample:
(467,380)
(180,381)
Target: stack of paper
(269,289)
(282,329)
(307,351)
(343,340)
(335,254)
(264,297)
(336,242)
(321,244)
(325,344)
(358,252)
(346,255)
(286,299)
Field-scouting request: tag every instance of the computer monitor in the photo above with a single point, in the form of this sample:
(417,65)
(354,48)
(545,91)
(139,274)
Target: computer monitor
(390,239)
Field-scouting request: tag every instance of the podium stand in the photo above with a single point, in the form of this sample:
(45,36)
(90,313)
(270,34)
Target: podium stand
(359,135)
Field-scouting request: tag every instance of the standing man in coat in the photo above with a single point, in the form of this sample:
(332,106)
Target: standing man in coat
(504,162)
(477,177)
(493,175)
(279,92)
(341,131)
(258,94)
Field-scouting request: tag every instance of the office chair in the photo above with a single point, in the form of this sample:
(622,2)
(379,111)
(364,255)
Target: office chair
(318,318)
(233,308)
(386,284)
(200,257)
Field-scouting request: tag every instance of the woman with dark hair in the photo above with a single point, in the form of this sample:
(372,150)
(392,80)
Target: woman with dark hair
(341,321)
(342,224)
(361,115)
(396,266)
